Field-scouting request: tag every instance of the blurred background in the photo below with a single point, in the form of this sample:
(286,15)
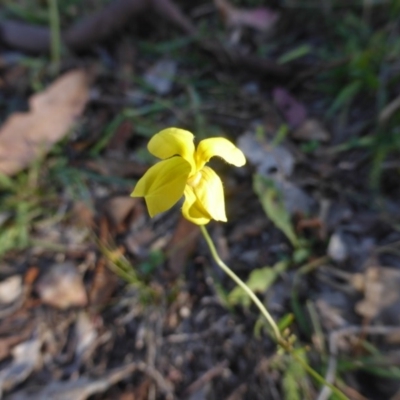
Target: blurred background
(97,300)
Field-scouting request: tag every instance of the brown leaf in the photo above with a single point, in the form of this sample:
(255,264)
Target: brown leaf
(82,214)
(182,246)
(25,136)
(380,286)
(103,286)
(118,209)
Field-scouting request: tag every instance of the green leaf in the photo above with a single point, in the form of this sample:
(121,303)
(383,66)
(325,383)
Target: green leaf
(259,281)
(345,96)
(6,183)
(293,54)
(295,383)
(272,203)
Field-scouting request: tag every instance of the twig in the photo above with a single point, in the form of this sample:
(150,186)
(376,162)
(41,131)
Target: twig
(206,377)
(389,110)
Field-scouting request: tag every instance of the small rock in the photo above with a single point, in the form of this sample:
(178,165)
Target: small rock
(62,287)
(10,289)
(337,248)
(160,76)
(267,158)
(311,129)
(296,200)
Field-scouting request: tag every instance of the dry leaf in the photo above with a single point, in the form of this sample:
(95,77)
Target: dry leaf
(104,283)
(25,136)
(181,246)
(118,208)
(380,286)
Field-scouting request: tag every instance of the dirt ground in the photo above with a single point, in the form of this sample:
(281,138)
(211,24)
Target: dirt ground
(99,301)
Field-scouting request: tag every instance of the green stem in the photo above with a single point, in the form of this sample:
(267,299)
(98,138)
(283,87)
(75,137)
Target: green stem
(240,283)
(55,45)
(317,376)
(280,340)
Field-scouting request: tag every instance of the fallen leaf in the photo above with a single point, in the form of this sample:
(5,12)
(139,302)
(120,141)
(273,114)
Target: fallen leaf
(82,214)
(181,246)
(260,18)
(259,281)
(26,136)
(273,205)
(380,286)
(118,208)
(104,283)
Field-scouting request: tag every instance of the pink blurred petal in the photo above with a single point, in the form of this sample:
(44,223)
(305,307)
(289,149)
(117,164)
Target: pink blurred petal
(294,112)
(260,18)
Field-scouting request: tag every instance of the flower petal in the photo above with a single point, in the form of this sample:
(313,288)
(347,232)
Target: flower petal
(192,209)
(163,184)
(220,147)
(173,141)
(210,194)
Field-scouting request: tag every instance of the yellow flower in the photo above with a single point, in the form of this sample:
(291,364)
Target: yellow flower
(167,181)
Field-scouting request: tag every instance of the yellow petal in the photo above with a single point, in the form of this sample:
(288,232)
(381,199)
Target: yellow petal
(173,141)
(209,193)
(192,209)
(163,184)
(220,147)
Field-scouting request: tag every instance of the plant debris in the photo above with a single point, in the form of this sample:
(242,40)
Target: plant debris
(100,301)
